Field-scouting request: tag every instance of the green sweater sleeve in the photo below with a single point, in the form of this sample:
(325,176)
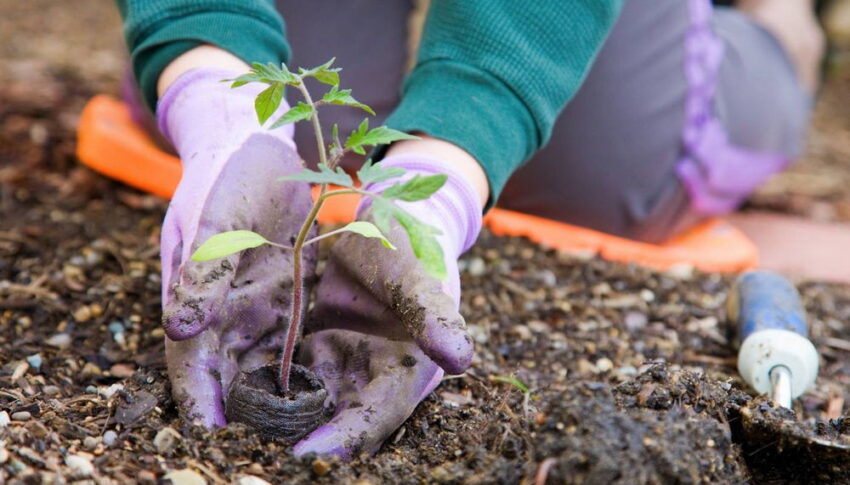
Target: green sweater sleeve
(157,31)
(492,76)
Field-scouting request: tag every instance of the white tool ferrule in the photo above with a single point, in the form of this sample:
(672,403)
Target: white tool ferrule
(765,349)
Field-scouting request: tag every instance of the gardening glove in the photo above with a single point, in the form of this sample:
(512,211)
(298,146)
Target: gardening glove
(228,314)
(383,330)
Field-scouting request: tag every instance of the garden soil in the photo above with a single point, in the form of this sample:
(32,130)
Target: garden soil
(630,372)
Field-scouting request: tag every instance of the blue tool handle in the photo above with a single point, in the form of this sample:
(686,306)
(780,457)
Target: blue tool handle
(766,300)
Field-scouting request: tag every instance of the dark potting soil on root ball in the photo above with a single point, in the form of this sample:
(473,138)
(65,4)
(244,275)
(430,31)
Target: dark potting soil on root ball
(82,377)
(256,399)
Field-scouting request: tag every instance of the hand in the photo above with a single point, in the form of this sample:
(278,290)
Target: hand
(383,330)
(228,314)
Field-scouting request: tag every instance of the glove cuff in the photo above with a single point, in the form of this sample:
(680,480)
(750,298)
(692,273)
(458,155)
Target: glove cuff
(454,209)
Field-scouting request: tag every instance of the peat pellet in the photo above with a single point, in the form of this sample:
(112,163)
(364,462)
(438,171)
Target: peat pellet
(21,416)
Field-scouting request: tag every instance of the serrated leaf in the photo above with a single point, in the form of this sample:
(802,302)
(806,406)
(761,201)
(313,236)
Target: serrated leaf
(268,101)
(343,98)
(363,136)
(425,246)
(297,113)
(272,73)
(417,188)
(324,176)
(422,238)
(370,173)
(367,229)
(227,243)
(324,73)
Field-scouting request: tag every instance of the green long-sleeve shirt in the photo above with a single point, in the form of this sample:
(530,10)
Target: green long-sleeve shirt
(491,75)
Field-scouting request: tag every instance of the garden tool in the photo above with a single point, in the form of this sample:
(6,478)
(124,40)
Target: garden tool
(776,357)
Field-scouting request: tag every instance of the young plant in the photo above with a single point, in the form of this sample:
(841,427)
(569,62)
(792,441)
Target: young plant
(421,236)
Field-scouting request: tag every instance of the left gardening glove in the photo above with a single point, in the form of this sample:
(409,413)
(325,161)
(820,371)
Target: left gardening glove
(383,330)
(229,314)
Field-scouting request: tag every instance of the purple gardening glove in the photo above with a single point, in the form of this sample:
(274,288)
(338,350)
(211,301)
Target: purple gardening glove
(227,314)
(383,330)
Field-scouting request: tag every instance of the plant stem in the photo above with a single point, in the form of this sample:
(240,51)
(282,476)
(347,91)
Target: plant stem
(297,274)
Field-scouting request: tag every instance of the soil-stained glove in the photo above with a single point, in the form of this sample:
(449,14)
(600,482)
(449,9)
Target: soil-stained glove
(383,330)
(228,314)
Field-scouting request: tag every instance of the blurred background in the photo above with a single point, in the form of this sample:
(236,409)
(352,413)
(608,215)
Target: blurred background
(54,55)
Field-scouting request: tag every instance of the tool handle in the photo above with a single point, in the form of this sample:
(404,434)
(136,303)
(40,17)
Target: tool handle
(762,300)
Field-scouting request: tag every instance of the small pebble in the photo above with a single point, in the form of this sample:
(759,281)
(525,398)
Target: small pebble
(255,468)
(91,370)
(108,392)
(21,416)
(82,314)
(185,477)
(80,465)
(548,278)
(321,467)
(251,480)
(91,442)
(51,390)
(635,321)
(4,419)
(59,340)
(146,477)
(477,267)
(116,327)
(122,371)
(165,440)
(35,361)
(604,364)
(4,456)
(521,331)
(538,326)
(109,438)
(647,295)
(91,390)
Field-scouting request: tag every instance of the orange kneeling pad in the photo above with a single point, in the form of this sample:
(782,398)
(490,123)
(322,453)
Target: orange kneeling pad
(110,142)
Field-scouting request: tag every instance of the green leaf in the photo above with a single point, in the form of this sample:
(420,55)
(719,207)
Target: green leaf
(512,381)
(422,238)
(367,229)
(324,73)
(363,136)
(418,188)
(227,243)
(324,176)
(268,101)
(371,173)
(344,98)
(297,113)
(271,73)
(266,73)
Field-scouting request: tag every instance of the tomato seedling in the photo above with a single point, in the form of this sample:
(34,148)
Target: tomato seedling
(421,236)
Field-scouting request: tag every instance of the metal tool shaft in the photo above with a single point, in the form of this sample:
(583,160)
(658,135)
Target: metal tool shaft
(780,386)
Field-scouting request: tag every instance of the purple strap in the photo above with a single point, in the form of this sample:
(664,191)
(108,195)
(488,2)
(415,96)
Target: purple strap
(717,175)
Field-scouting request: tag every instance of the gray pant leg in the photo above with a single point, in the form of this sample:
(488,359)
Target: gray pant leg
(368,39)
(611,163)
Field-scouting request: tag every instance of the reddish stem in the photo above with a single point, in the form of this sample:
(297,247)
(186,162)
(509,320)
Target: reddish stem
(294,320)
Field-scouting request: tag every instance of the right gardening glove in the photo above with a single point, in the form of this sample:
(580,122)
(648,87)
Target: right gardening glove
(229,314)
(383,330)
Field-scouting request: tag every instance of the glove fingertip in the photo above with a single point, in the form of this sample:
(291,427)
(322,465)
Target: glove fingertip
(452,349)
(184,323)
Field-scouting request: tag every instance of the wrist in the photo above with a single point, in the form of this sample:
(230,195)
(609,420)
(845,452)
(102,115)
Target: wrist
(205,56)
(461,161)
